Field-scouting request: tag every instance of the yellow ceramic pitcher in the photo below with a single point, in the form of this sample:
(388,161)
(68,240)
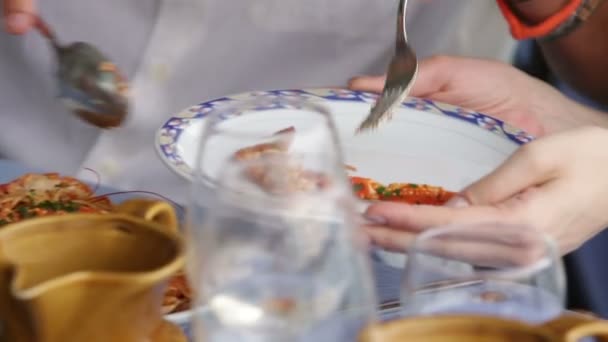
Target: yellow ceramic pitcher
(570,327)
(89,277)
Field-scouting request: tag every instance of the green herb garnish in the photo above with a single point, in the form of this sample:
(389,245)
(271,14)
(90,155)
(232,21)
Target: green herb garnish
(71,207)
(58,206)
(22,211)
(48,205)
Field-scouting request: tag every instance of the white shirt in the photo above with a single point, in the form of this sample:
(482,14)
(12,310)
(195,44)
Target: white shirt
(181,52)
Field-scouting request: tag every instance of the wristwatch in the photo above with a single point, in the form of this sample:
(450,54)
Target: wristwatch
(580,15)
(566,20)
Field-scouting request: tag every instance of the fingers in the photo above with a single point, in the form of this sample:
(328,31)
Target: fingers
(531,165)
(488,245)
(19,15)
(487,252)
(372,84)
(433,75)
(559,209)
(417,218)
(390,239)
(394,226)
(480,253)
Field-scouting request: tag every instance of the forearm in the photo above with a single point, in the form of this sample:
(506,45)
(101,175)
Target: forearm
(578,58)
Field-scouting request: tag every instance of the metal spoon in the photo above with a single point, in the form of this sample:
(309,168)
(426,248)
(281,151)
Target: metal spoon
(90,85)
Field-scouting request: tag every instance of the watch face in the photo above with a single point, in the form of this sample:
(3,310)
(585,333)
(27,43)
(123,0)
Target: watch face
(578,17)
(587,8)
(569,17)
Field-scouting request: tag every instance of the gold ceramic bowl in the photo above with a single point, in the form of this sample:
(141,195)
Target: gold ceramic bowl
(472,328)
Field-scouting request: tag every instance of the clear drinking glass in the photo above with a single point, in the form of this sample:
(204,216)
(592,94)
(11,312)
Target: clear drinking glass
(496,269)
(275,252)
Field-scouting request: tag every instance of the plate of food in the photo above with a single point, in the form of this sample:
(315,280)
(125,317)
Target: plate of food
(43,194)
(426,153)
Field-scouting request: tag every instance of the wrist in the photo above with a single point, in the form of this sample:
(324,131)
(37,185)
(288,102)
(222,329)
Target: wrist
(536,11)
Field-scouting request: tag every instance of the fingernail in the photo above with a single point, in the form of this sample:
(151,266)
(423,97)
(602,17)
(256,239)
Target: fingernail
(457,202)
(18,21)
(375,219)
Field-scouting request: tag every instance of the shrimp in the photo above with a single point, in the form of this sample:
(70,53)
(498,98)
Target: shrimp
(178,295)
(280,144)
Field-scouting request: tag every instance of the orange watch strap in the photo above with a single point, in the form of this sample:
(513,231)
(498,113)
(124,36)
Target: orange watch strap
(521,30)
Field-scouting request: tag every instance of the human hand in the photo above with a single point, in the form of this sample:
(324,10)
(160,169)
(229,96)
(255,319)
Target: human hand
(18,15)
(555,184)
(486,244)
(496,89)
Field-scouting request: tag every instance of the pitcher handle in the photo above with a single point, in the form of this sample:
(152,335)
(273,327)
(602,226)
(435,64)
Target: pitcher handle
(575,326)
(157,211)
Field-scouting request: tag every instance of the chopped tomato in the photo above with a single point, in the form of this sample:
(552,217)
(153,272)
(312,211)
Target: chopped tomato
(368,189)
(364,188)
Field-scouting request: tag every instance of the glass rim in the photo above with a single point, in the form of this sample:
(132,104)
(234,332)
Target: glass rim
(240,106)
(549,258)
(258,200)
(199,175)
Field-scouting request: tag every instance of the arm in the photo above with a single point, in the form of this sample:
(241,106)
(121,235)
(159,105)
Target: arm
(579,57)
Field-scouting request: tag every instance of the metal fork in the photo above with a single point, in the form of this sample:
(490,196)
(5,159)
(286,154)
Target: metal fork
(400,76)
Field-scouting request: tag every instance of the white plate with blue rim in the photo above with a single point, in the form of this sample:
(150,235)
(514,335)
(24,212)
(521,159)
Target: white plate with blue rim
(425,142)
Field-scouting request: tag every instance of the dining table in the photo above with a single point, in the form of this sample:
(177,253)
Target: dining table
(387,278)
(586,272)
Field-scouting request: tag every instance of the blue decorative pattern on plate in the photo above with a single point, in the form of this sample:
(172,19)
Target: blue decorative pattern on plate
(169,135)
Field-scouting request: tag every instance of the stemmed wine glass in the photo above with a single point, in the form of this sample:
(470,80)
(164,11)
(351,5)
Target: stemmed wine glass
(276,254)
(495,269)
